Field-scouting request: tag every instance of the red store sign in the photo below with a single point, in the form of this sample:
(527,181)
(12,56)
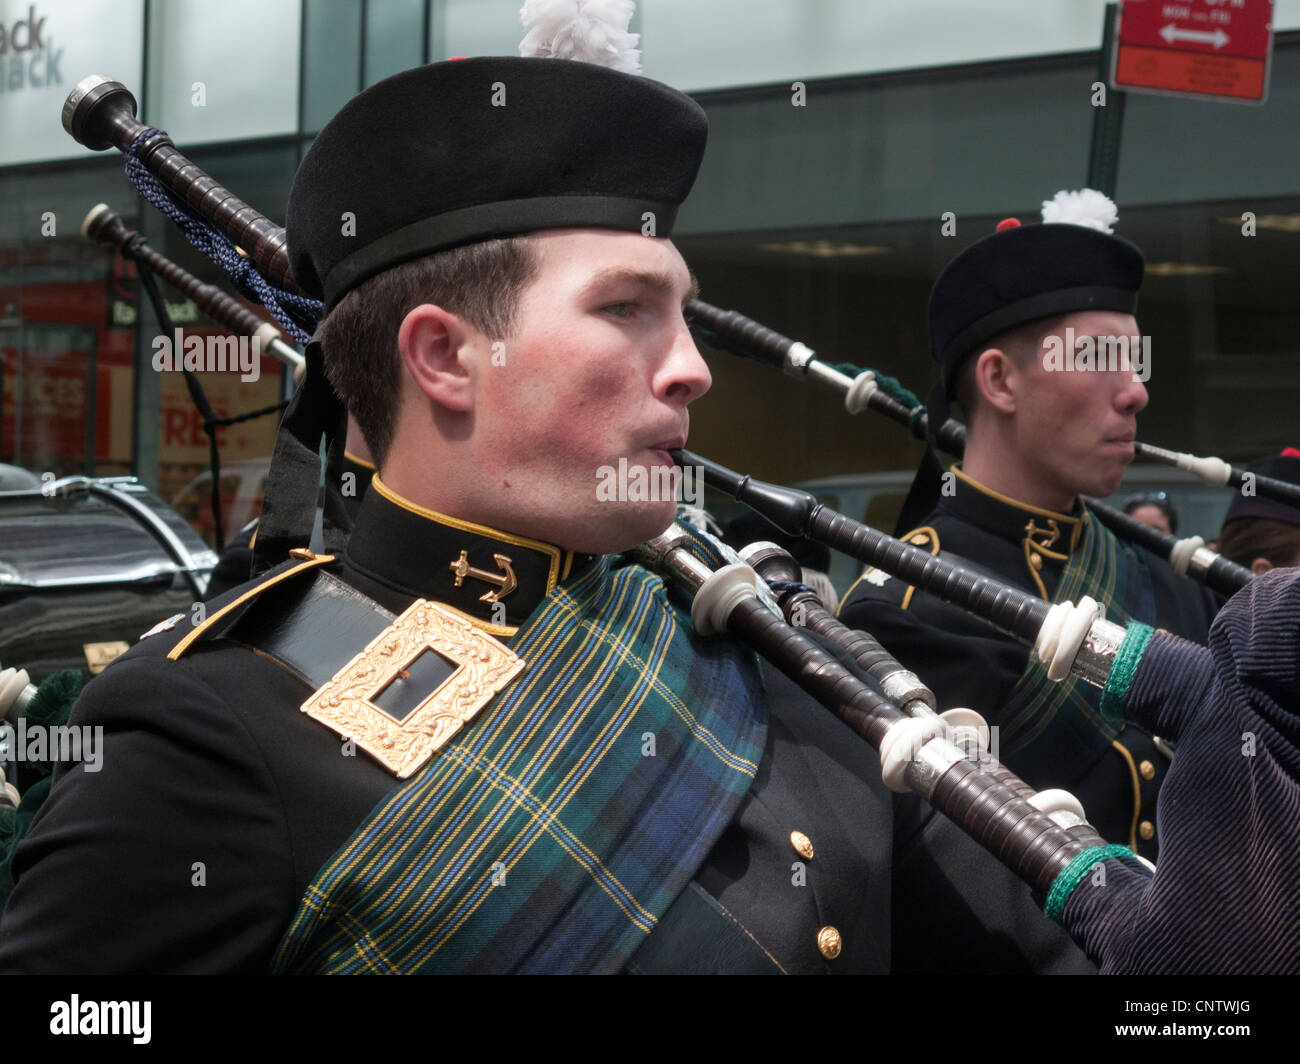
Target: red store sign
(1217,49)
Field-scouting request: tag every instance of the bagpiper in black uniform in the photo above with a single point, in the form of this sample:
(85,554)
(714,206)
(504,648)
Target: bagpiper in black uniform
(622,794)
(816,872)
(1051,735)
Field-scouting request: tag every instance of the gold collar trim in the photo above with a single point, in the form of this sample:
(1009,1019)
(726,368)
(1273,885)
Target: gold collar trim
(561,561)
(1062,521)
(1009,501)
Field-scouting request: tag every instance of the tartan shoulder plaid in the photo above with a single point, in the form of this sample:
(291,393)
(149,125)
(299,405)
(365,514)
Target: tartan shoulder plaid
(1047,724)
(557,828)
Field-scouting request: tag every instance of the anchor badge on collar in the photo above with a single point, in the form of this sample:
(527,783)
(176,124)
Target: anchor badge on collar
(1051,533)
(505,581)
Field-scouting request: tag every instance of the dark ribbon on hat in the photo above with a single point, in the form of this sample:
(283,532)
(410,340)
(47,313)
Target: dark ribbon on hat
(927,483)
(485,221)
(293,485)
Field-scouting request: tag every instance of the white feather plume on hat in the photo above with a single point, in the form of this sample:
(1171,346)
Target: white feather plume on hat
(593,31)
(1086,207)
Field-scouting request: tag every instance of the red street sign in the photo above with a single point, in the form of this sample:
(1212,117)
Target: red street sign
(1218,49)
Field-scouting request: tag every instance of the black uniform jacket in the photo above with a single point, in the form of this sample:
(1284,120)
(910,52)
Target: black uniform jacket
(967,662)
(218,801)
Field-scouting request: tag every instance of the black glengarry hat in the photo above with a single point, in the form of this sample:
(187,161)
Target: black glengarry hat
(1071,262)
(472,149)
(463,151)
(1284,466)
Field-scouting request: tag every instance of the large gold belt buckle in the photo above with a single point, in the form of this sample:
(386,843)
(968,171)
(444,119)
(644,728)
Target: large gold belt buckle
(346,704)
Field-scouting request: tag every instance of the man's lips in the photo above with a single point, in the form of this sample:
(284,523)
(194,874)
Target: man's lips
(663,446)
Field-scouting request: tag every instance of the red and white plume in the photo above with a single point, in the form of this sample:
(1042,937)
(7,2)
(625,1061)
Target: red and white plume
(1086,207)
(593,31)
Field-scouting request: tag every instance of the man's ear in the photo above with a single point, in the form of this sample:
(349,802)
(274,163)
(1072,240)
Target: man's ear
(433,343)
(996,378)
(1260,566)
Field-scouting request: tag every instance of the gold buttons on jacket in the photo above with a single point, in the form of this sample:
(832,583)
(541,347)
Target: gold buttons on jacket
(1036,560)
(1147,769)
(1147,829)
(829,942)
(802,845)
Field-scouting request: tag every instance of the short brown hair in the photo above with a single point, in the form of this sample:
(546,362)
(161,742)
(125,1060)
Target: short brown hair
(479,282)
(1020,345)
(1244,539)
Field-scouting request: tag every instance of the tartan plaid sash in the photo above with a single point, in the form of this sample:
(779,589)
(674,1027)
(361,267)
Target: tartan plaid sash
(1044,724)
(555,830)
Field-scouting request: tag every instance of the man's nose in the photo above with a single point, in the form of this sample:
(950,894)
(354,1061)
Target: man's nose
(1132,397)
(684,375)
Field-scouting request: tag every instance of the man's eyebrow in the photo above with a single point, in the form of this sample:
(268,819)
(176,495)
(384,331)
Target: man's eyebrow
(663,283)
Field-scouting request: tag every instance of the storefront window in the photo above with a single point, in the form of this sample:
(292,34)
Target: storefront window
(67,313)
(823,215)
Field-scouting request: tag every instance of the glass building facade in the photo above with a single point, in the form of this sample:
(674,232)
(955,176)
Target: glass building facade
(853,152)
